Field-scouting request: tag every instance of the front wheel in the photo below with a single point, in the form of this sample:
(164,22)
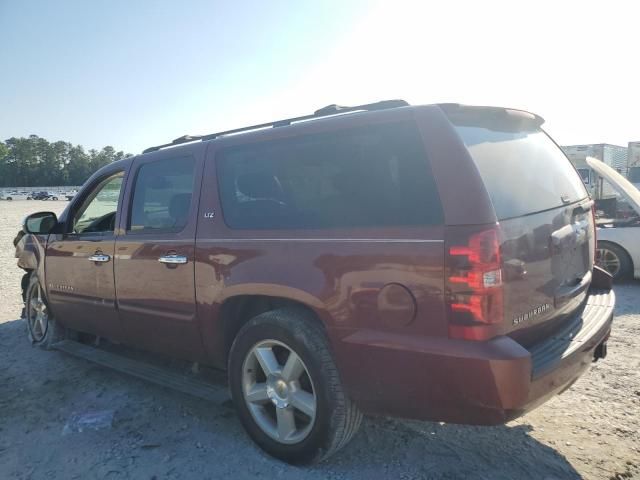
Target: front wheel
(42,328)
(286,388)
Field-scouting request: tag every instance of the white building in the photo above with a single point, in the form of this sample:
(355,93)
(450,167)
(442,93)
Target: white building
(633,163)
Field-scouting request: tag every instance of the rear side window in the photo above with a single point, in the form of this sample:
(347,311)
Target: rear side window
(523,170)
(162,195)
(365,177)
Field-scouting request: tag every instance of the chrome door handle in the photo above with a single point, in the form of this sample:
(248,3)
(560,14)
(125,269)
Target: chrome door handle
(173,259)
(99,257)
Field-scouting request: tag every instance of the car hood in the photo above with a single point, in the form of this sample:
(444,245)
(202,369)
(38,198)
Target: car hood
(623,186)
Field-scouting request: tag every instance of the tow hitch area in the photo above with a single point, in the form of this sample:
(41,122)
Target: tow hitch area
(600,351)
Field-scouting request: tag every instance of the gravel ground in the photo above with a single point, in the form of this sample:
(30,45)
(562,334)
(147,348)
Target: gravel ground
(591,431)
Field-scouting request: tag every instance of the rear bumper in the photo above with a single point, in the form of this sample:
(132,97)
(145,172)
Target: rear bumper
(457,381)
(559,361)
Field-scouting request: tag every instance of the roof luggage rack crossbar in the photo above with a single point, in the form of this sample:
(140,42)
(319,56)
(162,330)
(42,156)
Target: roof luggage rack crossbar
(327,111)
(177,141)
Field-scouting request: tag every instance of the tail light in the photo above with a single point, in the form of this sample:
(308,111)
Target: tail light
(474,284)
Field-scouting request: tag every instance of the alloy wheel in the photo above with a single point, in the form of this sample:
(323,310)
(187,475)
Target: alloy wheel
(609,260)
(37,314)
(279,392)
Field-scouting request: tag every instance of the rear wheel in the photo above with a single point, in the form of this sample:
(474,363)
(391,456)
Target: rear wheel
(614,259)
(286,388)
(42,328)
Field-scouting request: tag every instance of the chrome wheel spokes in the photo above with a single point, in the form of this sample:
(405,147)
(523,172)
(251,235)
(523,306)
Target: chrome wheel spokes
(279,392)
(608,260)
(37,315)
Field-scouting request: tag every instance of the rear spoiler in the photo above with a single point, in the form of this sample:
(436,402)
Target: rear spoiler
(492,118)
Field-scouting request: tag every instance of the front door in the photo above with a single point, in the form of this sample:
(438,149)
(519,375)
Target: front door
(79,262)
(154,264)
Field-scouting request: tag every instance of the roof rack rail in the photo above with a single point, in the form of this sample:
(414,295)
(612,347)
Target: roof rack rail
(327,111)
(177,141)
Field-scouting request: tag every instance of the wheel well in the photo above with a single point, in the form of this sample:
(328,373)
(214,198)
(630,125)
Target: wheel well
(237,311)
(621,248)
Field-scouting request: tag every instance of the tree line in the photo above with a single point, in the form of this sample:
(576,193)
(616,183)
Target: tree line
(34,161)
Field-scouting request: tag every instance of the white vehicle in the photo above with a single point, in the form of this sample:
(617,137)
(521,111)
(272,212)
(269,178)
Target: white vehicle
(68,195)
(16,196)
(618,249)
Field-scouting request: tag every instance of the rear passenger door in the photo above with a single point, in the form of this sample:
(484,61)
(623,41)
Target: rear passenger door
(154,261)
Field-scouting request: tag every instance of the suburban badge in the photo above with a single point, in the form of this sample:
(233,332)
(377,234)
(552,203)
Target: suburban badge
(531,313)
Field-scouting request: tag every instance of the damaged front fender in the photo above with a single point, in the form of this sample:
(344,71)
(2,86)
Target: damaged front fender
(30,251)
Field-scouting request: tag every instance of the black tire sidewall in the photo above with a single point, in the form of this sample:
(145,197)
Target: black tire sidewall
(54,332)
(266,327)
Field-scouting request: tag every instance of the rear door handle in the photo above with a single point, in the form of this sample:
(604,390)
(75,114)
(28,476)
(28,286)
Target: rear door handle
(99,257)
(173,259)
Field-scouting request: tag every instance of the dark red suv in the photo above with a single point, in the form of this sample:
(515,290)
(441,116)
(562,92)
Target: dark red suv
(431,262)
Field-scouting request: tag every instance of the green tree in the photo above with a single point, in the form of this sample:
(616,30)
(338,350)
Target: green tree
(34,161)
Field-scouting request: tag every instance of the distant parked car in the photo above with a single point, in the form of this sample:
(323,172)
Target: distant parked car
(618,249)
(43,195)
(17,196)
(69,195)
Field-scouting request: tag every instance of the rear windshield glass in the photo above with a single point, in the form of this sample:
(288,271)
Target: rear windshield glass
(523,170)
(363,177)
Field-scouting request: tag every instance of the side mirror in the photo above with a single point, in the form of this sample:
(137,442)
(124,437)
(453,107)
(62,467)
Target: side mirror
(40,223)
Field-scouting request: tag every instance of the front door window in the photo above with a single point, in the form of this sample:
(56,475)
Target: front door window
(98,212)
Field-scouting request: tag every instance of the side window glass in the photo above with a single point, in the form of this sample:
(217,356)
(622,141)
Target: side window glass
(374,176)
(98,213)
(162,195)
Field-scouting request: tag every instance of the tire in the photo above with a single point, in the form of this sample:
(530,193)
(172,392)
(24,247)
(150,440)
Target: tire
(43,330)
(335,417)
(615,260)
(9,198)
(54,198)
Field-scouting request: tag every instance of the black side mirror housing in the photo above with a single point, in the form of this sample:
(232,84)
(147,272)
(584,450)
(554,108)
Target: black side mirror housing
(40,223)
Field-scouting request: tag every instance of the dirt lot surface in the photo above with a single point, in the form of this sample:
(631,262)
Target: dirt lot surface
(591,431)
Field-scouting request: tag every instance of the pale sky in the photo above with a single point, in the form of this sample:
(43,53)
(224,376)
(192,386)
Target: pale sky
(136,74)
